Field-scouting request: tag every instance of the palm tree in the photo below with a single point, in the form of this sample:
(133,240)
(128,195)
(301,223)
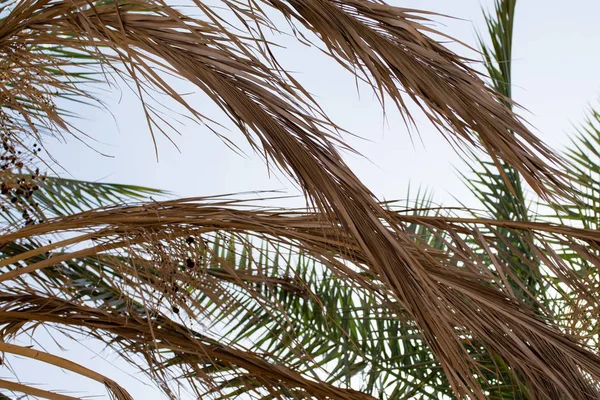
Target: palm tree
(445,289)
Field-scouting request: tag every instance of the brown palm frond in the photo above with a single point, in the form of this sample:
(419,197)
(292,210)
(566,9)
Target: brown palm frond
(390,48)
(116,391)
(40,393)
(135,37)
(479,288)
(135,334)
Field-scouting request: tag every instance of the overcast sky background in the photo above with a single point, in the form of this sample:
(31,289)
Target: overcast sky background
(555,77)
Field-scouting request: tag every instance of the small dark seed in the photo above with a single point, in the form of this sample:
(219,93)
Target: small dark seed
(189,240)
(176,309)
(190,263)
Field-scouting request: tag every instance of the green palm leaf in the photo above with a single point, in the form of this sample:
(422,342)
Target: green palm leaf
(583,157)
(54,197)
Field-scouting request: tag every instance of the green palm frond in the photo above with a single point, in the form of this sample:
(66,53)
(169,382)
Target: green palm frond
(498,55)
(52,196)
(338,328)
(583,156)
(60,196)
(497,185)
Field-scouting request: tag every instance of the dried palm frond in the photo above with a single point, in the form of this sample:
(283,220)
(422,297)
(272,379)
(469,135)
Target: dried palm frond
(44,394)
(116,391)
(391,49)
(481,288)
(134,334)
(137,38)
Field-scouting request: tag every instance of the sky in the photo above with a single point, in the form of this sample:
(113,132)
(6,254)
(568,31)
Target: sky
(555,78)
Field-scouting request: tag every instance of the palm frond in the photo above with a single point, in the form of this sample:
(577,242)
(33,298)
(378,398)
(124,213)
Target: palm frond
(390,48)
(116,391)
(338,328)
(19,311)
(496,184)
(144,230)
(32,391)
(54,196)
(584,169)
(137,38)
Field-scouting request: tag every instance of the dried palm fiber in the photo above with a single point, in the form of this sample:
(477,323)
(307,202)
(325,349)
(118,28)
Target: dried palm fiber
(272,114)
(471,284)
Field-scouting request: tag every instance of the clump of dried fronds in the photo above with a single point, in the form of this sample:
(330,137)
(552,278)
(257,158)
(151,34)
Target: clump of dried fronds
(391,49)
(481,292)
(183,347)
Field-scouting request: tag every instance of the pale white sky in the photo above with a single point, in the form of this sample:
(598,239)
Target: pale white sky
(555,73)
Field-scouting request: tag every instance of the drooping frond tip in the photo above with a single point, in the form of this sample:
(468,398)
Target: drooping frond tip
(391,48)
